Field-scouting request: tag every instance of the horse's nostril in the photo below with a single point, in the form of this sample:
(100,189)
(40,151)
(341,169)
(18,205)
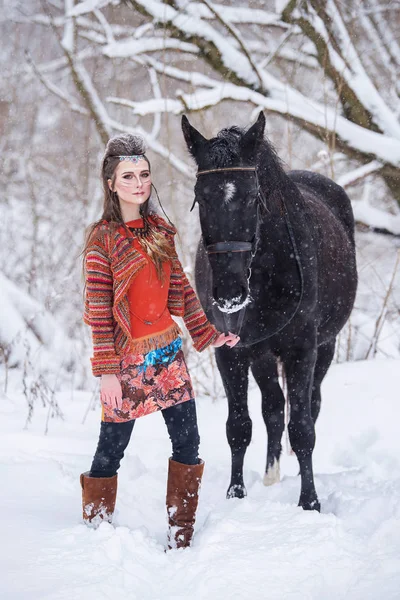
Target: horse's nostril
(229,298)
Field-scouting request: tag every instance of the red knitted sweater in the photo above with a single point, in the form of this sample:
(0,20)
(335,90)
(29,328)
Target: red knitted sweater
(148,298)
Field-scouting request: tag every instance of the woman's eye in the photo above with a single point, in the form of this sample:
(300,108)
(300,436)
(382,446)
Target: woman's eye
(145,175)
(127,176)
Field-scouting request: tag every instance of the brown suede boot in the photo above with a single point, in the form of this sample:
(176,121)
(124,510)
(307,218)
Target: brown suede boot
(98,498)
(182,498)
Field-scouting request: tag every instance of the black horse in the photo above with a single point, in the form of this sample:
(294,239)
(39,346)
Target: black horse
(276,264)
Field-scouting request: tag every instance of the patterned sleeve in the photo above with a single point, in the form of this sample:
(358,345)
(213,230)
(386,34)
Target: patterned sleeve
(98,308)
(202,332)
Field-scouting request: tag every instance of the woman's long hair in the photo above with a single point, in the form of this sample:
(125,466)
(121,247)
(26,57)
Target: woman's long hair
(154,243)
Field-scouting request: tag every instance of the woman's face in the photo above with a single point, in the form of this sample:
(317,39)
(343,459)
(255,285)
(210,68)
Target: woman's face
(132,182)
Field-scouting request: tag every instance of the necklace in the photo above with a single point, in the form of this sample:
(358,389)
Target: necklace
(145,321)
(142,231)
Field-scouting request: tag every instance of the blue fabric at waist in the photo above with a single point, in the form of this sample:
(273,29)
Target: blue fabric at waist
(166,354)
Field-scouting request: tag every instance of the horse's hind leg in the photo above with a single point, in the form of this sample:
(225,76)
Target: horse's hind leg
(265,373)
(325,356)
(233,365)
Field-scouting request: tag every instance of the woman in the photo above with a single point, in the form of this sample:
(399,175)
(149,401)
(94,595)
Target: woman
(134,282)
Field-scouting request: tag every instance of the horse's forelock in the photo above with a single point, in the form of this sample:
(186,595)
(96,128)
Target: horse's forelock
(231,133)
(224,149)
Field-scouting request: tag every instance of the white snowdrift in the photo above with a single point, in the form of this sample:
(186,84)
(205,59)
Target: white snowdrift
(261,547)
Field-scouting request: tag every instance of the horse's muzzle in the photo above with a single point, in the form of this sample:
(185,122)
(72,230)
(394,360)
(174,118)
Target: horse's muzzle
(230,303)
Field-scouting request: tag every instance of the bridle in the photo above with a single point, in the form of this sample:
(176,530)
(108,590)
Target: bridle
(240,246)
(235,246)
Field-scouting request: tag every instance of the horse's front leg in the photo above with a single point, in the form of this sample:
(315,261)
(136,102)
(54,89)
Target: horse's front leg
(233,365)
(299,367)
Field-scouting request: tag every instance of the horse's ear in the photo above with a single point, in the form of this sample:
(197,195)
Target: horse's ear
(193,138)
(253,137)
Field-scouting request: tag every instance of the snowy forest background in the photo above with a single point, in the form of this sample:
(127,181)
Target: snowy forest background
(326,75)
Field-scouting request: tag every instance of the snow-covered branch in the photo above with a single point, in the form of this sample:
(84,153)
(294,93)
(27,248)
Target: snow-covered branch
(68,40)
(130,47)
(240,15)
(223,54)
(88,6)
(340,61)
(194,78)
(51,87)
(287,102)
(375,218)
(157,94)
(106,26)
(385,33)
(233,31)
(354,177)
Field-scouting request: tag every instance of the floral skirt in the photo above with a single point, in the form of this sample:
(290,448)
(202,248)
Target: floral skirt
(150,382)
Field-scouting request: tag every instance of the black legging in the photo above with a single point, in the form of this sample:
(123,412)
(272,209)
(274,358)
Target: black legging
(181,422)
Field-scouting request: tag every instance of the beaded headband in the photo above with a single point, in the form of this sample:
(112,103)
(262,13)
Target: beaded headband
(134,158)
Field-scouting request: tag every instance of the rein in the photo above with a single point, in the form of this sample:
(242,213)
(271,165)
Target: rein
(239,246)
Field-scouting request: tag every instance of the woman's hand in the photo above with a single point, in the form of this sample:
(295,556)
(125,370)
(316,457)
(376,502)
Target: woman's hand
(230,340)
(111,392)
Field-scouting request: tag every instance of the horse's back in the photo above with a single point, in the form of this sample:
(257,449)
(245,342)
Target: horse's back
(329,192)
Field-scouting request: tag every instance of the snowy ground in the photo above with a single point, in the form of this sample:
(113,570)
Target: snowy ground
(262,547)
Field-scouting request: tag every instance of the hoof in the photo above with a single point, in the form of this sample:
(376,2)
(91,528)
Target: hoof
(313,505)
(273,474)
(236,491)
